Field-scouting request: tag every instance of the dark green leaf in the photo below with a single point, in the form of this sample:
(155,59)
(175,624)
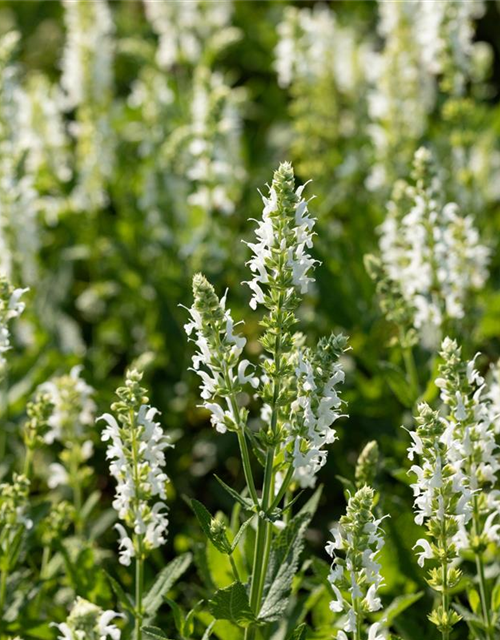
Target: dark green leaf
(246,503)
(232,604)
(153,633)
(165,581)
(400,604)
(123,598)
(396,379)
(241,531)
(299,633)
(284,560)
(217,534)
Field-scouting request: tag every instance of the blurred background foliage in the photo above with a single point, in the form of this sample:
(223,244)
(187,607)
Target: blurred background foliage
(109,274)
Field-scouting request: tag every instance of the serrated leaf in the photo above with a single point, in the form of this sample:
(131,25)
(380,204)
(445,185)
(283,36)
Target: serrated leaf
(232,604)
(123,597)
(165,581)
(400,604)
(283,561)
(205,519)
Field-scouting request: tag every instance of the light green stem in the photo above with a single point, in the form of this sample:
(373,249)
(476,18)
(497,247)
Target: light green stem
(27,462)
(139,587)
(3,593)
(480,571)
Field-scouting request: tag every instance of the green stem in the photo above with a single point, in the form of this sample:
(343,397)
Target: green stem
(139,586)
(247,467)
(3,593)
(444,593)
(283,489)
(411,369)
(27,462)
(262,543)
(236,573)
(359,621)
(480,571)
(76,488)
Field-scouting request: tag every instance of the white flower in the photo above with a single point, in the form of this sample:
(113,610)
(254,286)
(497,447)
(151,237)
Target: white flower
(316,407)
(426,554)
(357,531)
(432,252)
(136,451)
(293,242)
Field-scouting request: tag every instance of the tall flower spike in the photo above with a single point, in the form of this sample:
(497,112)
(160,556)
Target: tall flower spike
(188,30)
(136,450)
(217,360)
(87,621)
(316,408)
(431,252)
(470,431)
(10,307)
(442,503)
(357,540)
(367,465)
(87,81)
(281,261)
(280,265)
(72,416)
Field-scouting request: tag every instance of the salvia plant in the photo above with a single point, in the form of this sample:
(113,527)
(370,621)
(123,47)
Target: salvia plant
(190,447)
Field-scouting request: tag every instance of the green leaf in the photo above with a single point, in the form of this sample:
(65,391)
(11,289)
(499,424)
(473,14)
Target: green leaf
(153,633)
(495,597)
(178,614)
(284,561)
(396,379)
(165,581)
(474,600)
(400,604)
(216,534)
(246,503)
(208,631)
(123,598)
(241,531)
(299,633)
(232,604)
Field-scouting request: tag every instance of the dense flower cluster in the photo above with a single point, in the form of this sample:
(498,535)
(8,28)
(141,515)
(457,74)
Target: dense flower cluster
(87,621)
(86,81)
(136,451)
(316,407)
(284,236)
(208,148)
(442,503)
(72,416)
(313,45)
(367,465)
(473,451)
(357,540)
(431,251)
(19,229)
(217,360)
(187,30)
(423,41)
(10,307)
